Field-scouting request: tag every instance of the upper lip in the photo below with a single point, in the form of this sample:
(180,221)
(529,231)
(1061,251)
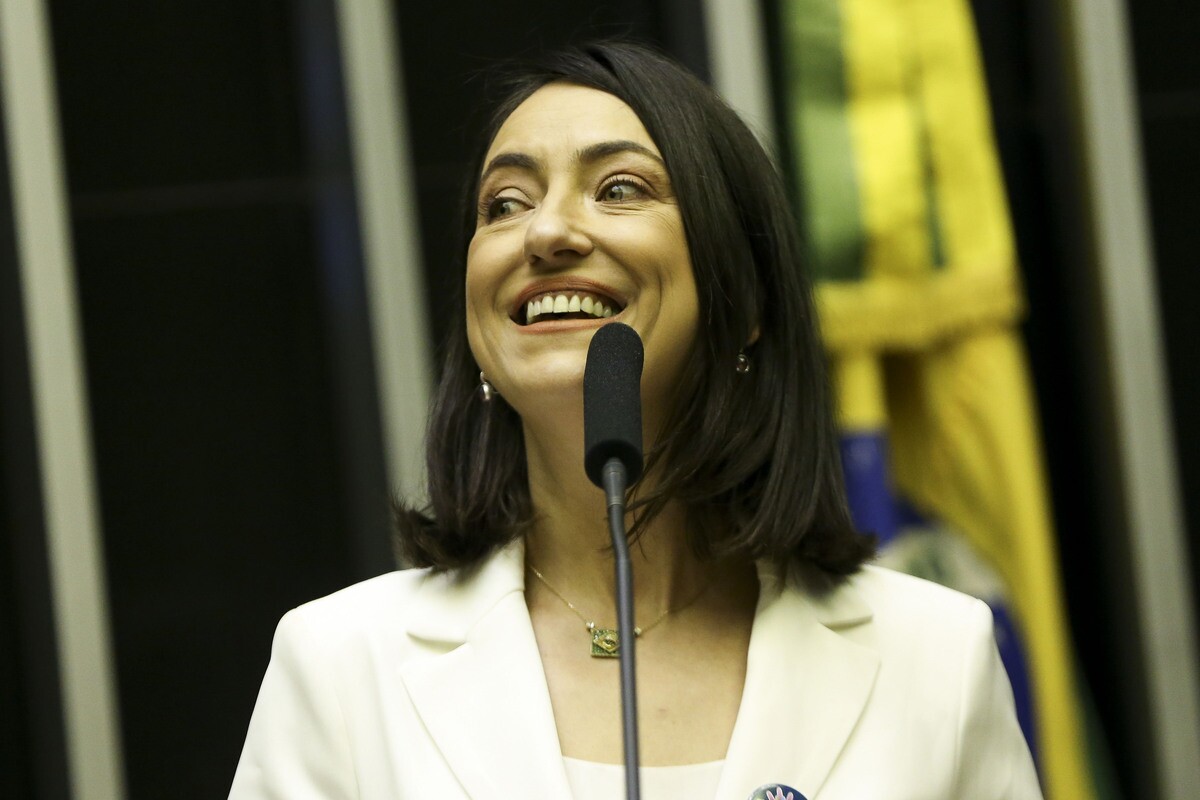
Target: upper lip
(563,286)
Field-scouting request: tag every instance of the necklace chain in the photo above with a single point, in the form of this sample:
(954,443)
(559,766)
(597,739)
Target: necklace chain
(591,624)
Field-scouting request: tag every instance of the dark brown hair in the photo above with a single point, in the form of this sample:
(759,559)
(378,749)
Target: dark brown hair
(753,457)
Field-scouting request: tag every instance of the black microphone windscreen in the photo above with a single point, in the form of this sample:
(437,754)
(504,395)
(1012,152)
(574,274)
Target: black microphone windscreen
(612,402)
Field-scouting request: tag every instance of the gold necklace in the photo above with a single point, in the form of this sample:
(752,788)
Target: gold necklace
(606,642)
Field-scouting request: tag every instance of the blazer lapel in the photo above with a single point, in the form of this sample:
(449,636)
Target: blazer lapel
(484,702)
(806,686)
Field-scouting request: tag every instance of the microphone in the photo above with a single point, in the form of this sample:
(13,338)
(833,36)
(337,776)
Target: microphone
(612,458)
(612,402)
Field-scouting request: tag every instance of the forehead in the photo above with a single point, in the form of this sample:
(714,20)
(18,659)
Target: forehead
(562,115)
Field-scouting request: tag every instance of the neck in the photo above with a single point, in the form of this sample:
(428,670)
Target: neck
(570,542)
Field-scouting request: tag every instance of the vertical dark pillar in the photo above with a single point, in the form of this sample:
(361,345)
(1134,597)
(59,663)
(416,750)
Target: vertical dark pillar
(238,461)
(321,80)
(1031,93)
(1167,63)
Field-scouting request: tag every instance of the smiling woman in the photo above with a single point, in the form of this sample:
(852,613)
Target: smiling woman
(613,172)
(612,185)
(575,200)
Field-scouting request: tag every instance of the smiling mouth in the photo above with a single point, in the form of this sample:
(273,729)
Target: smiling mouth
(566,306)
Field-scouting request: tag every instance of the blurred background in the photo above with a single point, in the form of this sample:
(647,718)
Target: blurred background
(226,259)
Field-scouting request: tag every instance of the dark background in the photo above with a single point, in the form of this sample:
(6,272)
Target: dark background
(228,357)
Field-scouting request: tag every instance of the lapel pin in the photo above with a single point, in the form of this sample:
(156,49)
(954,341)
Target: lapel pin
(776,791)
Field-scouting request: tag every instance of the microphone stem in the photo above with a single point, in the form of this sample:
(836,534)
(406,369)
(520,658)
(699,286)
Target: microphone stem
(614,478)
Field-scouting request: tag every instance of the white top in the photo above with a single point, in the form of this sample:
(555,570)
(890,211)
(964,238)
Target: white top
(418,685)
(591,780)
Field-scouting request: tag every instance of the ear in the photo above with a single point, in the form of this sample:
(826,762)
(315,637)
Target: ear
(754,334)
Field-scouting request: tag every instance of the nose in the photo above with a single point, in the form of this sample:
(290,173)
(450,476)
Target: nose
(555,235)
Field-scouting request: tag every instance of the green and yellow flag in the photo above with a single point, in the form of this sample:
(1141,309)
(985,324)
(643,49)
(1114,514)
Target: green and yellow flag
(919,295)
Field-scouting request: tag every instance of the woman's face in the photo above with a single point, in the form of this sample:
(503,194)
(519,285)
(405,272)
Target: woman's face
(577,225)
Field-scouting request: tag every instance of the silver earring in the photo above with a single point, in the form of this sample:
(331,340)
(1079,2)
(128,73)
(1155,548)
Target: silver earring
(486,390)
(742,363)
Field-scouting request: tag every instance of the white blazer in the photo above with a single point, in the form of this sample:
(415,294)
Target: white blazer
(414,685)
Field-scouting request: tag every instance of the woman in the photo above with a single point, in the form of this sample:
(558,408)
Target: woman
(615,186)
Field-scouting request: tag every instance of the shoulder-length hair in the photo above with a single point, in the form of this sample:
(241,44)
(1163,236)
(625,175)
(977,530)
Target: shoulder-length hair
(752,456)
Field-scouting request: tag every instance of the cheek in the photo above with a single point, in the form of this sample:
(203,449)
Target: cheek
(478,291)
(683,297)
(481,280)
(685,325)
(674,252)
(475,271)
(490,257)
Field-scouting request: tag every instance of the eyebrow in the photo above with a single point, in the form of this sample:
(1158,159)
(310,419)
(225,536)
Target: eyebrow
(601,150)
(588,155)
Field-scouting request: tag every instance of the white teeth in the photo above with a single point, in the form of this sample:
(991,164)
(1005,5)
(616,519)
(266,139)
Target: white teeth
(562,304)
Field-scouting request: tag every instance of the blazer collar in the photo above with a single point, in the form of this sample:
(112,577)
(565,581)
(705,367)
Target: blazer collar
(448,605)
(806,686)
(482,692)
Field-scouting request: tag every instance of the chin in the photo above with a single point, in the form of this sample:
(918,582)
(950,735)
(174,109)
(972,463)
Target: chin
(558,375)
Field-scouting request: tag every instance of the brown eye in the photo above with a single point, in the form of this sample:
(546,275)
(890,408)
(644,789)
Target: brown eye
(621,190)
(499,207)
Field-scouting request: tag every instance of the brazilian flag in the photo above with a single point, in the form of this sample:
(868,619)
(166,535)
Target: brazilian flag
(920,298)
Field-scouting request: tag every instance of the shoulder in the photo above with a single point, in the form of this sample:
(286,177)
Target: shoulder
(406,610)
(938,662)
(921,630)
(904,601)
(369,604)
(925,619)
(889,598)
(937,680)
(362,622)
(940,666)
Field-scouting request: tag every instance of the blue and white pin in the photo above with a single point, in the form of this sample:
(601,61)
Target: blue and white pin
(776,791)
